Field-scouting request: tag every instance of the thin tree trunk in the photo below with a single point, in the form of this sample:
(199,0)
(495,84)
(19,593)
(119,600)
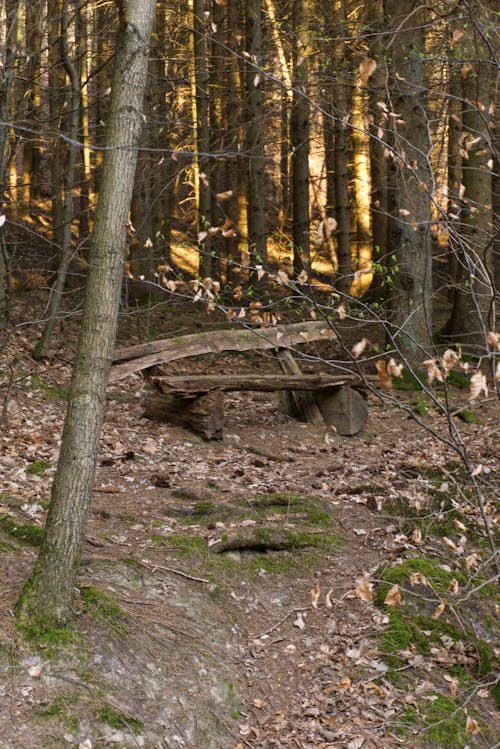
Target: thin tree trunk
(47,595)
(199,94)
(299,135)
(43,346)
(255,133)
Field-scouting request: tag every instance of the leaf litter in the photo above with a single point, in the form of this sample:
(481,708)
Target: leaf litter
(300,645)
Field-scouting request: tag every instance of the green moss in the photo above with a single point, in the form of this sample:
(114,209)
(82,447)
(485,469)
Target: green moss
(49,390)
(117,719)
(38,467)
(468,416)
(46,635)
(59,706)
(102,606)
(439,722)
(25,533)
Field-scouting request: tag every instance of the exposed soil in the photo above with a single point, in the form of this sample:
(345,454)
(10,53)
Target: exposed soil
(177,644)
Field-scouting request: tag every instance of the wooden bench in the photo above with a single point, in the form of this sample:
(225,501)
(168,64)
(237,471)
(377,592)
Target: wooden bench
(197,401)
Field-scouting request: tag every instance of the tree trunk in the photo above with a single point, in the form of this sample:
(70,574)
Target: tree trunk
(410,215)
(199,94)
(472,314)
(43,346)
(255,134)
(47,595)
(342,96)
(299,135)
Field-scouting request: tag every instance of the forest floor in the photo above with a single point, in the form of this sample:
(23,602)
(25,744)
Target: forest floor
(374,628)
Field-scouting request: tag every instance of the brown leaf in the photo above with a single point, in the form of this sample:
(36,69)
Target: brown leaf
(449,543)
(418,578)
(453,682)
(315,594)
(359,347)
(364,589)
(439,610)
(478,385)
(472,726)
(342,311)
(384,378)
(222,196)
(366,68)
(449,360)
(494,340)
(433,371)
(394,368)
(393,597)
(454,587)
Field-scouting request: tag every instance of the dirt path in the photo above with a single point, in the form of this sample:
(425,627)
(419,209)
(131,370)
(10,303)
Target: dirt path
(177,645)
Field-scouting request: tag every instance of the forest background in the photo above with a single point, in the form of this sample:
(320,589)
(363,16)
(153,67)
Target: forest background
(315,160)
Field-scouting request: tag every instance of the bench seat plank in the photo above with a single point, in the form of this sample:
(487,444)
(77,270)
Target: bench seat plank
(186,385)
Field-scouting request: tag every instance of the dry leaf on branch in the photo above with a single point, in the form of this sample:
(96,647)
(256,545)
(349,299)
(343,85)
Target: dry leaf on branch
(366,69)
(478,385)
(394,597)
(384,378)
(359,347)
(494,340)
(394,368)
(449,360)
(433,371)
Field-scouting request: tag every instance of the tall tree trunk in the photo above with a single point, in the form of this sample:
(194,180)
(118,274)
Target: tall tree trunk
(378,154)
(68,179)
(255,134)
(47,596)
(57,117)
(199,94)
(472,313)
(299,134)
(31,152)
(342,102)
(411,181)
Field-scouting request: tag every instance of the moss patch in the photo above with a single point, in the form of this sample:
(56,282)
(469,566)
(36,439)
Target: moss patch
(49,390)
(25,533)
(119,720)
(104,608)
(439,722)
(38,467)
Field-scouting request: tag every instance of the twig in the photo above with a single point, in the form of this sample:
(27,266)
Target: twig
(281,621)
(155,567)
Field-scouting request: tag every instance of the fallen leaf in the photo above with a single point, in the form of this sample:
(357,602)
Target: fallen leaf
(472,726)
(439,610)
(494,340)
(449,543)
(260,704)
(416,536)
(454,587)
(315,594)
(364,589)
(418,578)
(393,597)
(328,599)
(299,621)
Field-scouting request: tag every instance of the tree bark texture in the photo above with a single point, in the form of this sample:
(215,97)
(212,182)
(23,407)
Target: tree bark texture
(47,595)
(411,182)
(299,135)
(255,133)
